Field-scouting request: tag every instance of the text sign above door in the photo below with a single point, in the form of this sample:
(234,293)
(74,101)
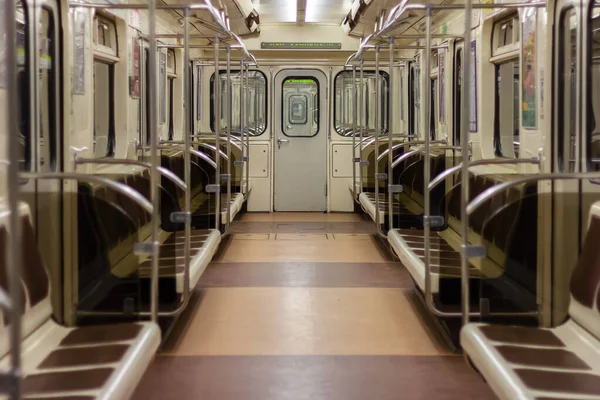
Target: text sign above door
(300,46)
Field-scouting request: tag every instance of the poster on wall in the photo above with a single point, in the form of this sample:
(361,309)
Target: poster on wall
(473,88)
(163,86)
(529,78)
(198,92)
(79,23)
(134,78)
(442,86)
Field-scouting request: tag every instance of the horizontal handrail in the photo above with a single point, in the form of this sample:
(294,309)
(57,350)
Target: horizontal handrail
(405,144)
(167,173)
(497,161)
(195,152)
(213,148)
(118,187)
(494,190)
(222,137)
(419,149)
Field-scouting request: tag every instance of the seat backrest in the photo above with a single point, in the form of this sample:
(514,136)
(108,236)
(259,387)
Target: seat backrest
(37,307)
(585,280)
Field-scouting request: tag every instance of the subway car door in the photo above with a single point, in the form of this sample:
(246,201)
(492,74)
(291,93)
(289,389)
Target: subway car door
(300,136)
(41,127)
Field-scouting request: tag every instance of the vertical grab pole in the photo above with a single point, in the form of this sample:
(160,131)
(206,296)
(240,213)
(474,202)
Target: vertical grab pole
(229,121)
(465,111)
(246,98)
(217,110)
(362,122)
(354,110)
(14,252)
(426,167)
(377,119)
(390,114)
(187,86)
(243,125)
(154,177)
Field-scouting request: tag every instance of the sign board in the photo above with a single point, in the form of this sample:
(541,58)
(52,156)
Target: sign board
(300,46)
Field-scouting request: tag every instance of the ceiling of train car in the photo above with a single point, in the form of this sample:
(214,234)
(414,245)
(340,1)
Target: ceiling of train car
(307,11)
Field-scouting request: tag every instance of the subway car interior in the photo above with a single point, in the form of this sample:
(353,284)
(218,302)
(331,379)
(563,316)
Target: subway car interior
(300,199)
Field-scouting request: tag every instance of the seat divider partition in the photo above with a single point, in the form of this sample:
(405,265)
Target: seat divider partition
(11,381)
(390,114)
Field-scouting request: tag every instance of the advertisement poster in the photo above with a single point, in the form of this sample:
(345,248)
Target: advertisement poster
(198,92)
(79,23)
(442,86)
(134,78)
(473,89)
(529,78)
(163,86)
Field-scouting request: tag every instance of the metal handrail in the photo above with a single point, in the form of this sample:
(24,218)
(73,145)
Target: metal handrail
(407,144)
(211,136)
(167,173)
(195,152)
(495,161)
(205,145)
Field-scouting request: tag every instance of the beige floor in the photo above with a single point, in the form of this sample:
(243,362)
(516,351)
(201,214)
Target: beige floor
(303,321)
(317,248)
(306,321)
(301,217)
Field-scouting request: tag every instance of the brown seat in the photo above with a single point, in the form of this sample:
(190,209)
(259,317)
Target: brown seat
(70,363)
(537,363)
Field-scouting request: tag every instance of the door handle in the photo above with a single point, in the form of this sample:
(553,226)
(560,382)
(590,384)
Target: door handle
(280,140)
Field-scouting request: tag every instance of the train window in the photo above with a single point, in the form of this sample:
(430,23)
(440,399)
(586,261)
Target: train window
(104,112)
(344,96)
(505,35)
(567,89)
(457,94)
(47,87)
(23,76)
(256,110)
(593,102)
(300,107)
(414,99)
(105,35)
(171,69)
(171,76)
(433,114)
(507,109)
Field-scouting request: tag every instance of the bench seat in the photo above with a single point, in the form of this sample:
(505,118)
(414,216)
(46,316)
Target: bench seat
(237,201)
(58,362)
(367,201)
(408,245)
(204,245)
(535,363)
(95,362)
(558,363)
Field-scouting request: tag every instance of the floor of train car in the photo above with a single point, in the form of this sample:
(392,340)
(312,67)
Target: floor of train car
(306,306)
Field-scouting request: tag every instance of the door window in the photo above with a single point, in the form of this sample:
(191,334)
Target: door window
(300,109)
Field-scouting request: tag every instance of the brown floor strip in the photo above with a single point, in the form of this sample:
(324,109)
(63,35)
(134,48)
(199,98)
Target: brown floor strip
(303,227)
(306,274)
(311,377)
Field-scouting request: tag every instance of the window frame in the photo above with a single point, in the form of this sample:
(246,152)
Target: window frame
(385,93)
(212,99)
(101,48)
(318,121)
(459,50)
